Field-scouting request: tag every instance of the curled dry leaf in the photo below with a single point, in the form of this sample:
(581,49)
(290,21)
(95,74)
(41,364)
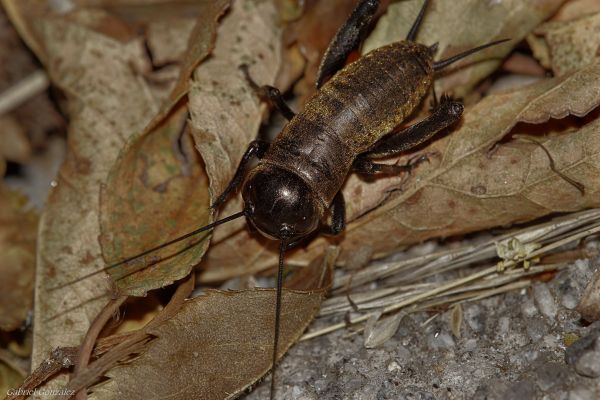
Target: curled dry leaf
(566,46)
(18,230)
(219,344)
(158,188)
(225,117)
(460,25)
(378,331)
(105,109)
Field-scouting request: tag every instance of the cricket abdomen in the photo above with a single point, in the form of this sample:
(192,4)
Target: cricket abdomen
(363,102)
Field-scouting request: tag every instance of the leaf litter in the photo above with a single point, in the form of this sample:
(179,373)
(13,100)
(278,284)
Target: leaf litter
(473,146)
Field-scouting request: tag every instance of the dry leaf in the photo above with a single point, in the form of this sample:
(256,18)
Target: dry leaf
(105,110)
(568,45)
(461,25)
(456,320)
(158,188)
(219,344)
(226,114)
(18,230)
(377,331)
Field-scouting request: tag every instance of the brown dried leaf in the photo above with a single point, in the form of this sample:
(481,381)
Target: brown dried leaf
(568,45)
(378,331)
(461,25)
(18,230)
(219,344)
(225,116)
(105,110)
(158,188)
(225,112)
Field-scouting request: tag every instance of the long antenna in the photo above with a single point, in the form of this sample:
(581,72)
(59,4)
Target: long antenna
(444,63)
(282,247)
(412,34)
(146,252)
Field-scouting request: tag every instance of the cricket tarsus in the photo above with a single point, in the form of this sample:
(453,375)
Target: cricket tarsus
(278,293)
(149,251)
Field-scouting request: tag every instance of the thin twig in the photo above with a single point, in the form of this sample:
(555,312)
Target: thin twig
(17,94)
(87,346)
(484,283)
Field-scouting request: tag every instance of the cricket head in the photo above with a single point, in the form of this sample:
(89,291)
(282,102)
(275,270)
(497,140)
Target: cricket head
(280,204)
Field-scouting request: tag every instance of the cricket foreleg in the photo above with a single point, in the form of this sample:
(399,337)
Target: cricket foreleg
(338,215)
(270,94)
(346,39)
(257,148)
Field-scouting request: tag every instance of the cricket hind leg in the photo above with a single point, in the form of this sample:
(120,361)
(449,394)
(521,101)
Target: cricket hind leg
(446,113)
(270,94)
(257,148)
(346,39)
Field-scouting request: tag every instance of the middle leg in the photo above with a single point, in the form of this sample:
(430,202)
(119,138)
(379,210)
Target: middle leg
(338,216)
(269,93)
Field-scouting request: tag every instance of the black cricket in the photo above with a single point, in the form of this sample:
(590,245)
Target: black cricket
(350,121)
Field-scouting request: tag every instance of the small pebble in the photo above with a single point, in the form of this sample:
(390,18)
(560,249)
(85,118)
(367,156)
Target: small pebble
(584,354)
(441,340)
(536,328)
(528,308)
(582,394)
(545,301)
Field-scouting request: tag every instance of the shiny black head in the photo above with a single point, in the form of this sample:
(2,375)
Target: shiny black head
(279,204)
